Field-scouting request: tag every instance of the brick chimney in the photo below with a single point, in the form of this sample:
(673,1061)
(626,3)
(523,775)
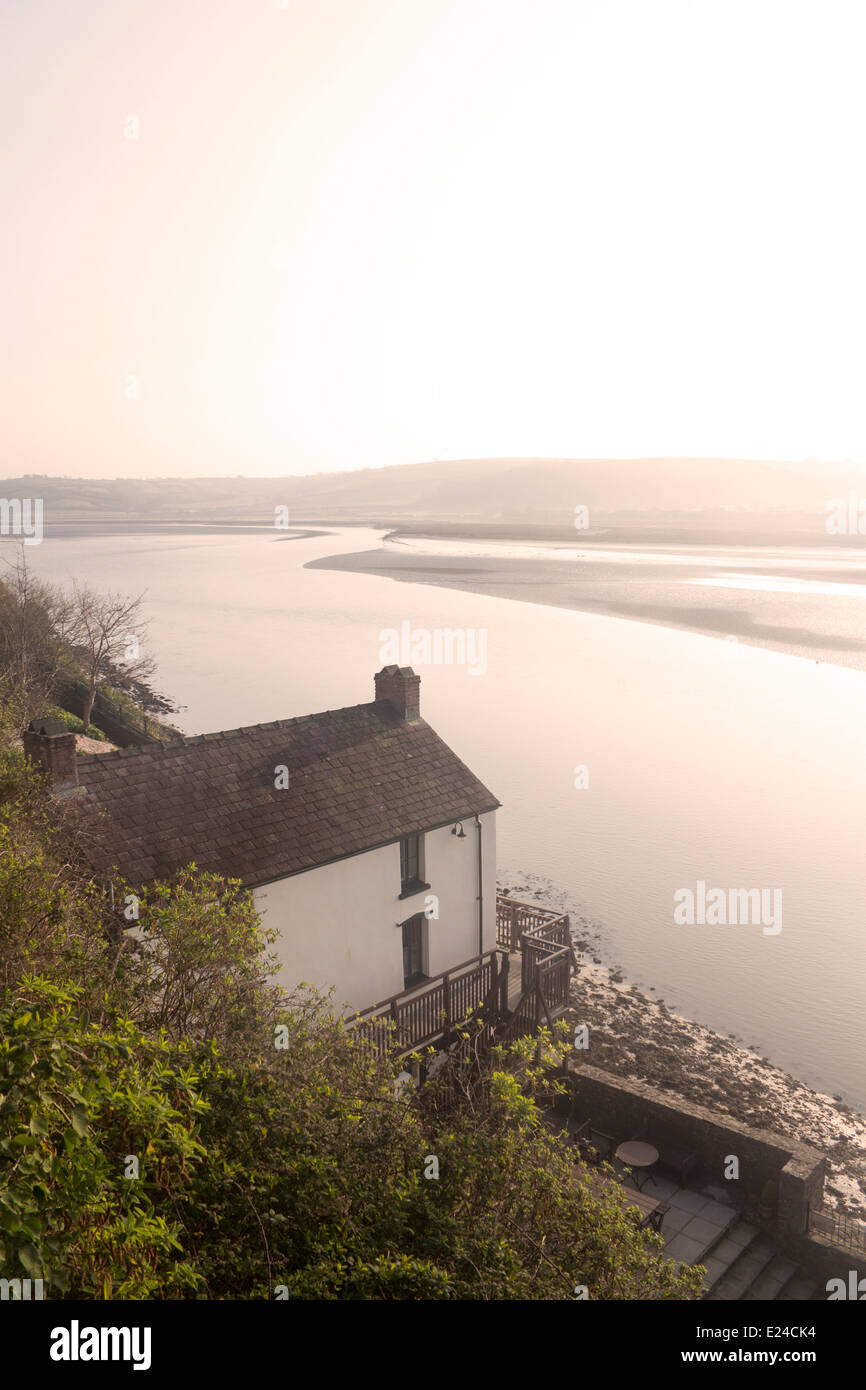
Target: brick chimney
(49,743)
(401,687)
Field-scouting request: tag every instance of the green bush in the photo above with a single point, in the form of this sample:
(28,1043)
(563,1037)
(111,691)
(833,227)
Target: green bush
(78,1103)
(72,722)
(273,1150)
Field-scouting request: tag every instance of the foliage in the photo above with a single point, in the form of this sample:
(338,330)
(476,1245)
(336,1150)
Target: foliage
(275,1151)
(36,623)
(72,722)
(204,968)
(321,1171)
(94,637)
(77,1103)
(53,918)
(107,641)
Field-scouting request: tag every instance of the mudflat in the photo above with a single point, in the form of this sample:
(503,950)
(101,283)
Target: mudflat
(802,621)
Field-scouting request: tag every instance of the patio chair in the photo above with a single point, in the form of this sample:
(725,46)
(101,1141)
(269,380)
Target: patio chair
(677,1159)
(593,1145)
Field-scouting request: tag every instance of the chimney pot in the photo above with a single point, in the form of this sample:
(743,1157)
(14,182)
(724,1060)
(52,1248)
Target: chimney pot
(401,687)
(49,743)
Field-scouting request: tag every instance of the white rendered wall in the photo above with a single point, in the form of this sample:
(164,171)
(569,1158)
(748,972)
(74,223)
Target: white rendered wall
(337,924)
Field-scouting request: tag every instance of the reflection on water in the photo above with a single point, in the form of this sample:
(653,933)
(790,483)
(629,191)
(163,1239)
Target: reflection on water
(787,558)
(709,761)
(782,585)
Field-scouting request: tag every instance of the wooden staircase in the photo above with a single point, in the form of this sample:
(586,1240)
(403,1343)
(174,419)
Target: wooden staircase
(543,939)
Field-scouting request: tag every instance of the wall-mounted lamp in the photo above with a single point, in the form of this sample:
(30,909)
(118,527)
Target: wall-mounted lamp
(458,831)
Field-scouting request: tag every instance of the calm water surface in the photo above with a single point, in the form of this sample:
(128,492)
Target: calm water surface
(707,760)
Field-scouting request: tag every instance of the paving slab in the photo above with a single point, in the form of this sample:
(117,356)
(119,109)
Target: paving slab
(662,1188)
(699,1229)
(728,1248)
(765,1288)
(743,1274)
(717,1191)
(799,1291)
(674,1221)
(742,1233)
(719,1212)
(715,1269)
(688,1201)
(684,1248)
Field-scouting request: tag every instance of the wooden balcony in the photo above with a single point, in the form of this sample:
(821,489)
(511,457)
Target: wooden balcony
(519,987)
(514,920)
(429,1013)
(539,942)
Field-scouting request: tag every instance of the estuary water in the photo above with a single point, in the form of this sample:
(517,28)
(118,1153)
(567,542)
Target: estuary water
(633,760)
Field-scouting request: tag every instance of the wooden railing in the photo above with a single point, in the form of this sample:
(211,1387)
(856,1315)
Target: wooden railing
(544,940)
(427,1014)
(514,920)
(546,997)
(837,1229)
(417,1017)
(536,949)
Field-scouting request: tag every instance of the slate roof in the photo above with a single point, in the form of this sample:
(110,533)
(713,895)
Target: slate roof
(358,778)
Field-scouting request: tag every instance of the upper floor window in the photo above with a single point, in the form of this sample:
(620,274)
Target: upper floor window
(412,865)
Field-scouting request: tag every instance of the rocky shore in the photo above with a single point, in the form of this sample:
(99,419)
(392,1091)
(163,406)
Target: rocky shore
(639,1038)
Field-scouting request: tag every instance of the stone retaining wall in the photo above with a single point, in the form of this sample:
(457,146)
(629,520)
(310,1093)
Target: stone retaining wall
(824,1262)
(627,1108)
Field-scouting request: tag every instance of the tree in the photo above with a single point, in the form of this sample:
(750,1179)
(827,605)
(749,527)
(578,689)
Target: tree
(323,1180)
(78,1104)
(204,963)
(274,1150)
(36,620)
(108,637)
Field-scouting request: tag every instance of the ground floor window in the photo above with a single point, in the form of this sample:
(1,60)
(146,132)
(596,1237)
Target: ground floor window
(413,949)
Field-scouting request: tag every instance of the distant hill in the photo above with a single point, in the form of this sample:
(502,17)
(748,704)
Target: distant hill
(521,493)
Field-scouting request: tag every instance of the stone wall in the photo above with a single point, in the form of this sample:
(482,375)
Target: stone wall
(628,1108)
(824,1262)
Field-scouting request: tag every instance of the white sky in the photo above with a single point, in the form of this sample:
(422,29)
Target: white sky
(362,232)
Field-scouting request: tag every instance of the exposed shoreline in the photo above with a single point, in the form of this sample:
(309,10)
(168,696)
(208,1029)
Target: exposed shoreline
(640,1039)
(587,588)
(633,1034)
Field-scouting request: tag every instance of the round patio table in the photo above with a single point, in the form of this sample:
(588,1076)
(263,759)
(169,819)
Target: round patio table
(637,1156)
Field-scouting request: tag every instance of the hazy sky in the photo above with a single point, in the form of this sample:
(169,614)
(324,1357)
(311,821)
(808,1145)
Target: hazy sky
(360,232)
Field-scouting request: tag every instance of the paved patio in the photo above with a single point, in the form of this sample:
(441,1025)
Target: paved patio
(741,1262)
(696,1220)
(703,1227)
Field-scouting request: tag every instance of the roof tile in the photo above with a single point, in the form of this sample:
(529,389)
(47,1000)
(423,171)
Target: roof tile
(358,777)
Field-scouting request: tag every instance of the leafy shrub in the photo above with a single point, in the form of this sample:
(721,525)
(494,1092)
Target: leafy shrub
(73,723)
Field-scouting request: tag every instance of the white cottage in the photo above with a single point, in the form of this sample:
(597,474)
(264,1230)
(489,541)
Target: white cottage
(367,844)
